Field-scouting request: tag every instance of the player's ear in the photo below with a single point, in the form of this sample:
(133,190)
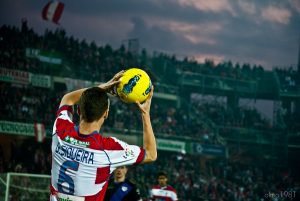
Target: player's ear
(107,110)
(105,115)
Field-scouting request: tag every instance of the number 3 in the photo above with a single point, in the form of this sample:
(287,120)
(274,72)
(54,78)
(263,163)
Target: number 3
(64,178)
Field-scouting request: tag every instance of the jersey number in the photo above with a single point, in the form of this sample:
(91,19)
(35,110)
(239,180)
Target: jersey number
(65,182)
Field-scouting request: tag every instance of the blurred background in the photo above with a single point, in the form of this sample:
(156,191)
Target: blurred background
(226,107)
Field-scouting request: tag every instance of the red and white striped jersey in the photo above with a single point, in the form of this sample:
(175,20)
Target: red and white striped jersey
(166,193)
(82,164)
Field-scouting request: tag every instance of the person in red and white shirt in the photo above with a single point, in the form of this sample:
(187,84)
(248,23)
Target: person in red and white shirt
(163,191)
(82,159)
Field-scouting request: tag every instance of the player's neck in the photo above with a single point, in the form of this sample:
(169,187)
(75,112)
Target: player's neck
(86,128)
(118,180)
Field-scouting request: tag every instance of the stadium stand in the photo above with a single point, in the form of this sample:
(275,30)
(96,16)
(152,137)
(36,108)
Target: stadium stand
(37,69)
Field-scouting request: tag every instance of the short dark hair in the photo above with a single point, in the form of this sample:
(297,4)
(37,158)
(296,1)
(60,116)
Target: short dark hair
(162,173)
(92,104)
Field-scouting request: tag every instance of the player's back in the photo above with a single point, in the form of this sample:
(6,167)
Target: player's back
(81,164)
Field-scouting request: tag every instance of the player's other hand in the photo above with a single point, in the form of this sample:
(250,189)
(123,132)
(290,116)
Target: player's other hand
(108,86)
(145,106)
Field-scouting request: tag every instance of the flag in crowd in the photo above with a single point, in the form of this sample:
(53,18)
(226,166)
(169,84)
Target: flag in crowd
(53,11)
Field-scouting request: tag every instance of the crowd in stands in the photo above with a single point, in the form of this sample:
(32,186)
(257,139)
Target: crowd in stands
(167,120)
(218,180)
(28,156)
(289,79)
(214,180)
(292,123)
(225,116)
(38,105)
(27,104)
(174,67)
(34,104)
(79,58)
(82,57)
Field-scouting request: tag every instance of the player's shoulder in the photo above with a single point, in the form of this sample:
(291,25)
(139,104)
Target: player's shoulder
(112,143)
(64,118)
(155,187)
(64,129)
(171,188)
(65,110)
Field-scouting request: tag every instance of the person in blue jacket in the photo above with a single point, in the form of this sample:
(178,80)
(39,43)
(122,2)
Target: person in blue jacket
(120,188)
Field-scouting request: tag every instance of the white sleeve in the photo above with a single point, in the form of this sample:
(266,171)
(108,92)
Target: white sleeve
(120,153)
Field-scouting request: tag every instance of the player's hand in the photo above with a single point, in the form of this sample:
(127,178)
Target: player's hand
(145,107)
(108,86)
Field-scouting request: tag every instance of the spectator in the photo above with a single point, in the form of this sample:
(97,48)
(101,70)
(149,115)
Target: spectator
(163,191)
(120,188)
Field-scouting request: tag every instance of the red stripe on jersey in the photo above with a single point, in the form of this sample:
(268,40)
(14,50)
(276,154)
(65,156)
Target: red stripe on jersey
(165,188)
(96,140)
(64,128)
(111,144)
(141,157)
(52,190)
(102,175)
(69,108)
(99,196)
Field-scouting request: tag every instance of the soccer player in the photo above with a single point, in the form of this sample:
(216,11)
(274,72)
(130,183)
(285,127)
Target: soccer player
(120,188)
(163,191)
(82,159)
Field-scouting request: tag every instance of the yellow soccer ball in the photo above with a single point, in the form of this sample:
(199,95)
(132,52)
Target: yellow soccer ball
(135,85)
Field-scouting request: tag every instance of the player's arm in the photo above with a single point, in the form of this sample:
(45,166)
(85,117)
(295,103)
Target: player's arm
(73,97)
(148,135)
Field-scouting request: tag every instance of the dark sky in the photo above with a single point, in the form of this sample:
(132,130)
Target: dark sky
(262,32)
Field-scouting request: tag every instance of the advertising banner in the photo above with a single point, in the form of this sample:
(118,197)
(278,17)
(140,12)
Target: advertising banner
(171,145)
(38,80)
(14,76)
(73,84)
(44,56)
(17,128)
(211,150)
